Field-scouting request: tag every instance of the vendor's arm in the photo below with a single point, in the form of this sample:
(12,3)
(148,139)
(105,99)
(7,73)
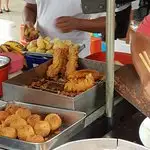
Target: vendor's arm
(30,12)
(68,24)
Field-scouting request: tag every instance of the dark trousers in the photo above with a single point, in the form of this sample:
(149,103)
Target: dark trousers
(122,23)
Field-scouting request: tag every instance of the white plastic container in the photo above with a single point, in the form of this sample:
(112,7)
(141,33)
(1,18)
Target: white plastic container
(101,144)
(144,132)
(6,30)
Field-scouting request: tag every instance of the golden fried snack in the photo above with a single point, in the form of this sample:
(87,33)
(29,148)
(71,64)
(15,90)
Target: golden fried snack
(80,85)
(54,121)
(64,63)
(18,123)
(42,128)
(68,42)
(35,139)
(55,67)
(3,115)
(24,132)
(11,108)
(33,119)
(72,63)
(8,132)
(23,113)
(1,126)
(10,119)
(58,44)
(83,73)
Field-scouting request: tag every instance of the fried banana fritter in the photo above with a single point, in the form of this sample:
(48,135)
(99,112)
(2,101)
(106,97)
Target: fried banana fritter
(80,85)
(57,64)
(83,73)
(72,63)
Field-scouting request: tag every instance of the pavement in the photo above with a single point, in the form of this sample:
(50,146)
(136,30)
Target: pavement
(10,22)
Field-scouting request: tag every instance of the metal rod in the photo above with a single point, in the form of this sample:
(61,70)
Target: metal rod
(110,26)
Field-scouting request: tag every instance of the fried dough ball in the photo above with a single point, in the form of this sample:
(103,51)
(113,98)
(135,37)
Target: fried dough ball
(24,132)
(18,123)
(11,108)
(33,119)
(23,113)
(42,128)
(35,139)
(10,119)
(3,115)
(54,121)
(8,132)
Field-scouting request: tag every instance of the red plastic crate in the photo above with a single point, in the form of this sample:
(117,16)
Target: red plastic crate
(123,58)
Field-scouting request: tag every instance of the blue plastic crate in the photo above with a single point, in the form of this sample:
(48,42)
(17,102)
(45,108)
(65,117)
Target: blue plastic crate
(34,61)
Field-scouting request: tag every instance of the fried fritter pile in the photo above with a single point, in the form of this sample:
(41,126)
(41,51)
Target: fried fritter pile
(59,61)
(65,60)
(64,66)
(72,63)
(19,122)
(80,85)
(56,66)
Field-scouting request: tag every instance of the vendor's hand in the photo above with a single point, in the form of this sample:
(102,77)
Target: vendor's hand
(30,33)
(67,24)
(29,24)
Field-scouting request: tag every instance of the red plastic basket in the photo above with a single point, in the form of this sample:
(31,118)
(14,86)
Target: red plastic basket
(123,58)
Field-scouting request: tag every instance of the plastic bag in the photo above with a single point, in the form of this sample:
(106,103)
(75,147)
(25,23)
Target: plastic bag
(141,44)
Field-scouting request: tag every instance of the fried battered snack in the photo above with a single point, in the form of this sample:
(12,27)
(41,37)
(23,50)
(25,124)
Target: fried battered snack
(64,63)
(10,119)
(33,119)
(58,44)
(3,115)
(72,63)
(42,128)
(23,113)
(18,123)
(8,132)
(80,85)
(11,108)
(83,73)
(55,68)
(54,121)
(35,139)
(68,42)
(24,132)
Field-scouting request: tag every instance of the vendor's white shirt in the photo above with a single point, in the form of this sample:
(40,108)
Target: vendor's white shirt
(50,10)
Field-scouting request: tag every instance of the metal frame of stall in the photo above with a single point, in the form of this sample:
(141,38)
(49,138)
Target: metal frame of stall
(96,6)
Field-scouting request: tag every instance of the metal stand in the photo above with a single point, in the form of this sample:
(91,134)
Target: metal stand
(110,26)
(96,6)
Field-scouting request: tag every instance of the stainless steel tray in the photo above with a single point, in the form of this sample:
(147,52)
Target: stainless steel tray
(73,123)
(16,88)
(82,46)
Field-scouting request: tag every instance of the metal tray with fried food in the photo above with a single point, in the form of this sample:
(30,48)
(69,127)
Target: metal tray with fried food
(73,122)
(26,52)
(93,98)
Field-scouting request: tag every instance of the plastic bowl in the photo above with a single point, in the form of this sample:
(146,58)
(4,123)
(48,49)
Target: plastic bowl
(144,132)
(17,61)
(4,69)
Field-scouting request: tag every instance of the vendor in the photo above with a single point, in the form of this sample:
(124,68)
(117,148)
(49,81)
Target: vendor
(65,20)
